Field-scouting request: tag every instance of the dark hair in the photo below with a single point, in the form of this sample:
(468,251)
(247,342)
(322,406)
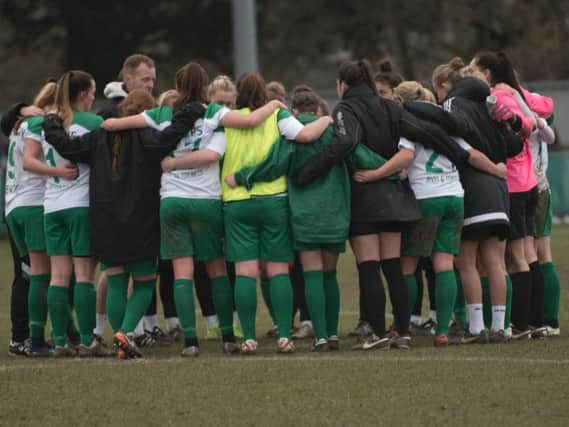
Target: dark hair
(355,73)
(387,75)
(69,87)
(132,62)
(251,91)
(136,102)
(305,100)
(191,84)
(501,68)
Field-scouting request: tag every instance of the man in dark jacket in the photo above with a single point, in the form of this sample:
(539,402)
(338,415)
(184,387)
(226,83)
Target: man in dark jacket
(138,72)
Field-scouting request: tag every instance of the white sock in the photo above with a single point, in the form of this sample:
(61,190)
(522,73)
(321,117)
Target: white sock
(139,330)
(151,322)
(236,320)
(433,315)
(498,315)
(475,318)
(100,325)
(211,321)
(417,320)
(306,323)
(172,323)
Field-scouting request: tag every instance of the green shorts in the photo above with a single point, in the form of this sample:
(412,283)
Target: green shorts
(543,214)
(137,268)
(438,231)
(67,232)
(26,227)
(191,228)
(336,248)
(258,228)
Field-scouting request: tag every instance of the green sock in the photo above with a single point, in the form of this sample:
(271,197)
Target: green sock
(486,302)
(37,304)
(552,291)
(137,304)
(460,303)
(332,291)
(412,291)
(281,298)
(58,306)
(246,304)
(445,295)
(223,303)
(72,330)
(508,316)
(85,302)
(266,291)
(116,299)
(185,306)
(316,302)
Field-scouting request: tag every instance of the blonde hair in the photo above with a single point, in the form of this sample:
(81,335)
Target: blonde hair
(168,97)
(69,87)
(409,91)
(450,72)
(221,83)
(44,98)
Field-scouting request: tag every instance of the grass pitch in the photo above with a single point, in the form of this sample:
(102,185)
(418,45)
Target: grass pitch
(513,384)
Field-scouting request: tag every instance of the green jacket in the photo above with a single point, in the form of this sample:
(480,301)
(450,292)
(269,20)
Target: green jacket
(320,212)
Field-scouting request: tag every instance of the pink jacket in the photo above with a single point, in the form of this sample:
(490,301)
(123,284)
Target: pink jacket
(539,104)
(520,176)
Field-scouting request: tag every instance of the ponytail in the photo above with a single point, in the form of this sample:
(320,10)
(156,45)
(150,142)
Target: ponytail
(44,98)
(354,73)
(69,87)
(500,67)
(191,84)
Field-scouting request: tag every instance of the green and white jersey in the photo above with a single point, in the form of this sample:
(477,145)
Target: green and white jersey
(431,174)
(195,183)
(22,188)
(60,193)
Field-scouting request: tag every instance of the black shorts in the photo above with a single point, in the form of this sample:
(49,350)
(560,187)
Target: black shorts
(485,232)
(363,228)
(522,214)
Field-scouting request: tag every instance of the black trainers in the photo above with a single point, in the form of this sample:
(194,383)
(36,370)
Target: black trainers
(320,345)
(362,330)
(402,342)
(333,343)
(19,348)
(373,342)
(145,340)
(426,329)
(41,351)
(160,337)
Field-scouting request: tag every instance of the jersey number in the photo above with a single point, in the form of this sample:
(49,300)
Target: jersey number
(11,162)
(429,167)
(51,159)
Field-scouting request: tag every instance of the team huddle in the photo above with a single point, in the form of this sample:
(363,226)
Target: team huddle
(214,185)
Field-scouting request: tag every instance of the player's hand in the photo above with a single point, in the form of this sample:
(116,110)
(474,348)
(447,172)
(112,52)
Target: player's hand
(168,164)
(109,124)
(506,87)
(364,176)
(68,172)
(230,181)
(502,170)
(278,104)
(30,111)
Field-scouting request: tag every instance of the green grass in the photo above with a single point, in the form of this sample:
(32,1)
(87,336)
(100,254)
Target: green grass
(513,384)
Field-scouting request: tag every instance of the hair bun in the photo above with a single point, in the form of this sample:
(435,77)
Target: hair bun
(456,63)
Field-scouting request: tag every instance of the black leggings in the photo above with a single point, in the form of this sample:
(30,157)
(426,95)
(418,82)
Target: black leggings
(19,296)
(166,288)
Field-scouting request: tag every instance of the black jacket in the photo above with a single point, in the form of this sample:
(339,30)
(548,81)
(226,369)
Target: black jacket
(364,118)
(10,117)
(124,183)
